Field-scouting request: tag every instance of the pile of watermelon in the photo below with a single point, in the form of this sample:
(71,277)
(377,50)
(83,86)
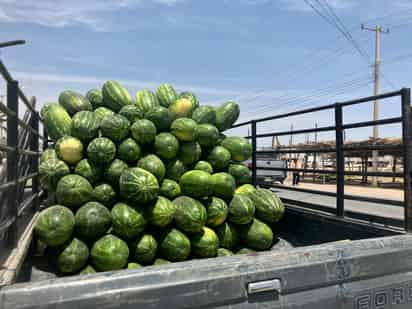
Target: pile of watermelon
(147,181)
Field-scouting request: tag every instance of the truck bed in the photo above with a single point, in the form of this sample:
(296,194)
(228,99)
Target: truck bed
(319,262)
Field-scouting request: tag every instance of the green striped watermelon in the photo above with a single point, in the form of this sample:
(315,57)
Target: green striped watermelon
(166,95)
(85,126)
(115,96)
(146,100)
(56,120)
(74,102)
(95,97)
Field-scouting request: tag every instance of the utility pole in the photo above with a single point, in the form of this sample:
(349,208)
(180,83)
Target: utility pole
(375,155)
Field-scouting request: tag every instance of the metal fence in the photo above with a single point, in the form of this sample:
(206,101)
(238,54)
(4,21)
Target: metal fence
(339,149)
(19,198)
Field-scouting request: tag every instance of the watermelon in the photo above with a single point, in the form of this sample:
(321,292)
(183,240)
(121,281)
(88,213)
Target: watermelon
(127,222)
(115,96)
(196,184)
(217,211)
(128,150)
(174,246)
(50,172)
(109,253)
(224,252)
(73,191)
(138,185)
(56,121)
(101,150)
(88,270)
(143,131)
(240,149)
(181,108)
(207,135)
(185,129)
(69,149)
(146,100)
(102,112)
(72,257)
(245,251)
(154,165)
(74,102)
(131,112)
(223,185)
(85,126)
(190,215)
(144,249)
(161,117)
(133,265)
(228,235)
(95,97)
(190,153)
(115,127)
(105,194)
(256,235)
(166,145)
(92,221)
(204,166)
(245,189)
(166,95)
(48,154)
(113,172)
(169,188)
(161,262)
(269,207)
(55,225)
(175,169)
(241,209)
(240,173)
(205,243)
(191,97)
(219,157)
(89,170)
(204,114)
(161,212)
(226,115)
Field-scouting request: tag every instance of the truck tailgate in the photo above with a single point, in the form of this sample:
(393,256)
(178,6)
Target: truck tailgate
(372,273)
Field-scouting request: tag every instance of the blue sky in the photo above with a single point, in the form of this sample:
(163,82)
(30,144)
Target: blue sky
(269,55)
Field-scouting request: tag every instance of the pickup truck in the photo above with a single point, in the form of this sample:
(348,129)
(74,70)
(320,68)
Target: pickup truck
(321,259)
(264,175)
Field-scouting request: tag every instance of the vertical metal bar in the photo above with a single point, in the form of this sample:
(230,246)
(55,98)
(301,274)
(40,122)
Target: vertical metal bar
(34,146)
(254,181)
(407,156)
(12,159)
(340,162)
(45,138)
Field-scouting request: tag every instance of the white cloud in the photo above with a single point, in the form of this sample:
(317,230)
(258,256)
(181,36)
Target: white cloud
(93,81)
(95,14)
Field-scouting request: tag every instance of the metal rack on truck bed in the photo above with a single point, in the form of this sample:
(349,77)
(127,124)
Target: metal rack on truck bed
(326,257)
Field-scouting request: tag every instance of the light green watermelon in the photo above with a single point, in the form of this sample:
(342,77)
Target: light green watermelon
(115,96)
(69,149)
(56,120)
(166,95)
(146,100)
